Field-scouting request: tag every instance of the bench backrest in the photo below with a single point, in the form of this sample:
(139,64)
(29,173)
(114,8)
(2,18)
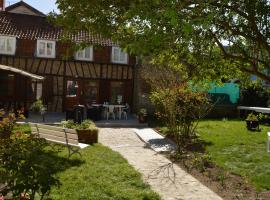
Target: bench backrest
(55,134)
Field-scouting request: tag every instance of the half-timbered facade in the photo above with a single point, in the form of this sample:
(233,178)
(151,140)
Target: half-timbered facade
(99,73)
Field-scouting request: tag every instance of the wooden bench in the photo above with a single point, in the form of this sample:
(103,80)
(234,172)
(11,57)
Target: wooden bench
(58,135)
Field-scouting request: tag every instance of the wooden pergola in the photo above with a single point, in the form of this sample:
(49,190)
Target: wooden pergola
(16,87)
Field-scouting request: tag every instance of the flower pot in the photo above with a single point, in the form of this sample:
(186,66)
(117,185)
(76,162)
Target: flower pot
(142,118)
(251,125)
(88,136)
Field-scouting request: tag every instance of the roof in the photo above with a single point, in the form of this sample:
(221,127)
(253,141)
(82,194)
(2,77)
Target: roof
(37,27)
(21,4)
(21,72)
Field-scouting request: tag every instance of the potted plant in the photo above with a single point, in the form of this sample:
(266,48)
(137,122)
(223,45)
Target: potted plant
(38,109)
(142,115)
(87,130)
(252,121)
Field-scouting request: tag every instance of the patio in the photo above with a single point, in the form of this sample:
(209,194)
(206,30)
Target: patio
(57,117)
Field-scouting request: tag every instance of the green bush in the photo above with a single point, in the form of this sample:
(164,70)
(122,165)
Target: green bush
(85,125)
(38,106)
(180,107)
(23,166)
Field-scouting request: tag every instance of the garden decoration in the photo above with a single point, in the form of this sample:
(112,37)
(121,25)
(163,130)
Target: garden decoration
(252,122)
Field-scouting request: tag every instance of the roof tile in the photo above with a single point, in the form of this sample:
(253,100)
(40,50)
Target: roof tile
(37,27)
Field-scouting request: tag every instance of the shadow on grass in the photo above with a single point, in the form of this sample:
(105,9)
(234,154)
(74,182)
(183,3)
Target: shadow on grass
(198,145)
(56,159)
(40,170)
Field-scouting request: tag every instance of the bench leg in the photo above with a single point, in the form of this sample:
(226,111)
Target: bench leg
(73,150)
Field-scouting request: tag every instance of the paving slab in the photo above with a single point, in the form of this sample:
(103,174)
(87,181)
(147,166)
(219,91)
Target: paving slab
(156,141)
(167,179)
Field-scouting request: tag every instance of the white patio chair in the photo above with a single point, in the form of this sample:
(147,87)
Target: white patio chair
(110,110)
(124,111)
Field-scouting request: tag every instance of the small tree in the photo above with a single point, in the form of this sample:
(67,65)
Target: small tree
(182,108)
(24,164)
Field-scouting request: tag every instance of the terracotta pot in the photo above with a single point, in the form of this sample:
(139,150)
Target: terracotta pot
(87,136)
(142,118)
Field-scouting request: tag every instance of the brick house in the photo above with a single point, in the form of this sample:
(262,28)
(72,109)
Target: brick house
(98,73)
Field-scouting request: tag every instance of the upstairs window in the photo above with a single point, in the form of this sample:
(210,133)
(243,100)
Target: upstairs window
(7,45)
(46,48)
(85,54)
(118,56)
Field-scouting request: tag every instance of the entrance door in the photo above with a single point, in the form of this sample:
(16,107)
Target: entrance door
(90,92)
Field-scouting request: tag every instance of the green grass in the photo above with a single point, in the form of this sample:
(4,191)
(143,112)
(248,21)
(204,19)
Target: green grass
(100,174)
(103,174)
(238,150)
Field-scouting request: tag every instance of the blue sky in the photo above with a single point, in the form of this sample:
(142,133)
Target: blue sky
(44,6)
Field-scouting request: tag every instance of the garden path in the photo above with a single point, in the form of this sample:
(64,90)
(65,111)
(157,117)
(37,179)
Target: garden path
(167,179)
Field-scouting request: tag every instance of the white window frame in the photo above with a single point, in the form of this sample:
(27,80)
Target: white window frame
(77,57)
(46,42)
(13,45)
(125,61)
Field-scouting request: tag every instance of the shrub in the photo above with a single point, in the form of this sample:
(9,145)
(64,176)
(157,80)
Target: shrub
(24,167)
(86,124)
(254,94)
(252,117)
(7,124)
(181,107)
(38,106)
(142,111)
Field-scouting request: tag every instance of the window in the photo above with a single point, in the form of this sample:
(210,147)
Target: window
(72,88)
(7,45)
(118,56)
(85,54)
(117,92)
(46,48)
(90,91)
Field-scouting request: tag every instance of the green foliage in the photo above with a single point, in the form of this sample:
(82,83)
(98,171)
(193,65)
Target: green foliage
(252,117)
(142,111)
(201,161)
(234,148)
(8,123)
(180,108)
(86,124)
(186,36)
(254,93)
(101,174)
(38,106)
(23,168)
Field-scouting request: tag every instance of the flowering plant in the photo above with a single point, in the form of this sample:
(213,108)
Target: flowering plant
(8,123)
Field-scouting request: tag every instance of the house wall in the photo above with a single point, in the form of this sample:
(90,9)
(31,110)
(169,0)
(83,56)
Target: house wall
(2,5)
(23,10)
(101,54)
(58,71)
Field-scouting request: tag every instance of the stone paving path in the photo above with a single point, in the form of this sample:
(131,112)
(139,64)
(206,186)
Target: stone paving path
(170,181)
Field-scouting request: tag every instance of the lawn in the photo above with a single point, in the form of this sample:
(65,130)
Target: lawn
(99,174)
(102,174)
(238,150)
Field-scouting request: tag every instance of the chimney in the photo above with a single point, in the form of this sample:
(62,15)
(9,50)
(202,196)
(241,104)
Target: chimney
(2,5)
